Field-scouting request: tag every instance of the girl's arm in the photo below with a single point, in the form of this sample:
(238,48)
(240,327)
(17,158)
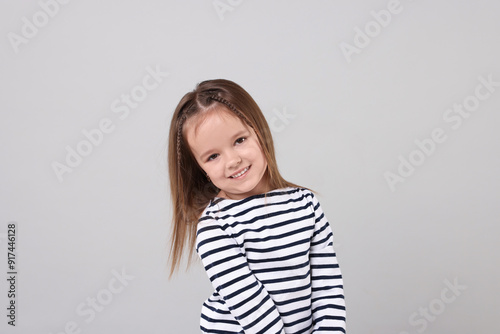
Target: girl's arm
(327,298)
(244,295)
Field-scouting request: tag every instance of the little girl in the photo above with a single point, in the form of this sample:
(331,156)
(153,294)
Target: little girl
(265,243)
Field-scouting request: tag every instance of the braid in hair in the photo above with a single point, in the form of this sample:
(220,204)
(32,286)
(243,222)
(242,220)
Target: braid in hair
(231,107)
(179,136)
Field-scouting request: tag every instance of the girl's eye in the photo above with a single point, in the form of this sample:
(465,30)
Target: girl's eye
(240,140)
(212,157)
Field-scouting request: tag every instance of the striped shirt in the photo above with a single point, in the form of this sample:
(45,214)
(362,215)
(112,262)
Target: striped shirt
(271,261)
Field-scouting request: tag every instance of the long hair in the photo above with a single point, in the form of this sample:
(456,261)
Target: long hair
(190,189)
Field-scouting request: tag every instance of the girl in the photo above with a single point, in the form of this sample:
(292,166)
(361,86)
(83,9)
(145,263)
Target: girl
(265,243)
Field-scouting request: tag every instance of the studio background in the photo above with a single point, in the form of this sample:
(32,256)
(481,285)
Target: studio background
(388,109)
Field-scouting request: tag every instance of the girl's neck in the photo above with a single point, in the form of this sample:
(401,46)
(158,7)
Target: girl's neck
(262,188)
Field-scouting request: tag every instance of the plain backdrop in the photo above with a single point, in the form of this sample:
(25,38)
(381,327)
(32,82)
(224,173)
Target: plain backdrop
(351,88)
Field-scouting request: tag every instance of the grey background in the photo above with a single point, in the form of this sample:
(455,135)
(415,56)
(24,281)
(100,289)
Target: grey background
(351,122)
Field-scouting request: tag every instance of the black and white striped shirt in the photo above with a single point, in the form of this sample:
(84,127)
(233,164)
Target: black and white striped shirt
(271,261)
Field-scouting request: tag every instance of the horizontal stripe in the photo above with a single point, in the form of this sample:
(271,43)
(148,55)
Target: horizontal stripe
(279,259)
(286,279)
(256,207)
(213,309)
(281,269)
(280,236)
(214,331)
(275,248)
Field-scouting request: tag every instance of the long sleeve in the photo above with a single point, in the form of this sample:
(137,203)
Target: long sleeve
(328,304)
(242,293)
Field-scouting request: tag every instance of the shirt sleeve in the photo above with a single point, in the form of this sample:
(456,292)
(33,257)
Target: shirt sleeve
(328,304)
(228,270)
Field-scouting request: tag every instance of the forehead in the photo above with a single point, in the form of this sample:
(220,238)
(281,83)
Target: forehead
(211,128)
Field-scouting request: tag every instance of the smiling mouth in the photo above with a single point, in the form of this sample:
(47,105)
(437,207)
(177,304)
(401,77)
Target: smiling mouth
(241,173)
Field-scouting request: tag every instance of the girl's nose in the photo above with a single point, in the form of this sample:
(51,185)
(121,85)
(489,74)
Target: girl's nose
(234,161)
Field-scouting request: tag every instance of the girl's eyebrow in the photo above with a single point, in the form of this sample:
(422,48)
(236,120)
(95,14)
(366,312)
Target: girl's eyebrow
(239,134)
(207,153)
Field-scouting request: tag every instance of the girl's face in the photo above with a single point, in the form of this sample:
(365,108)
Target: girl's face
(229,152)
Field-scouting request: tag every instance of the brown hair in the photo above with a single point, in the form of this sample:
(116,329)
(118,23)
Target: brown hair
(190,189)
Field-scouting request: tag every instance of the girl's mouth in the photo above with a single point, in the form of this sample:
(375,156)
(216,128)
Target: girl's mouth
(240,173)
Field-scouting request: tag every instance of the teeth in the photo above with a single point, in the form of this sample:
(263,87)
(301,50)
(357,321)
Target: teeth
(240,173)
